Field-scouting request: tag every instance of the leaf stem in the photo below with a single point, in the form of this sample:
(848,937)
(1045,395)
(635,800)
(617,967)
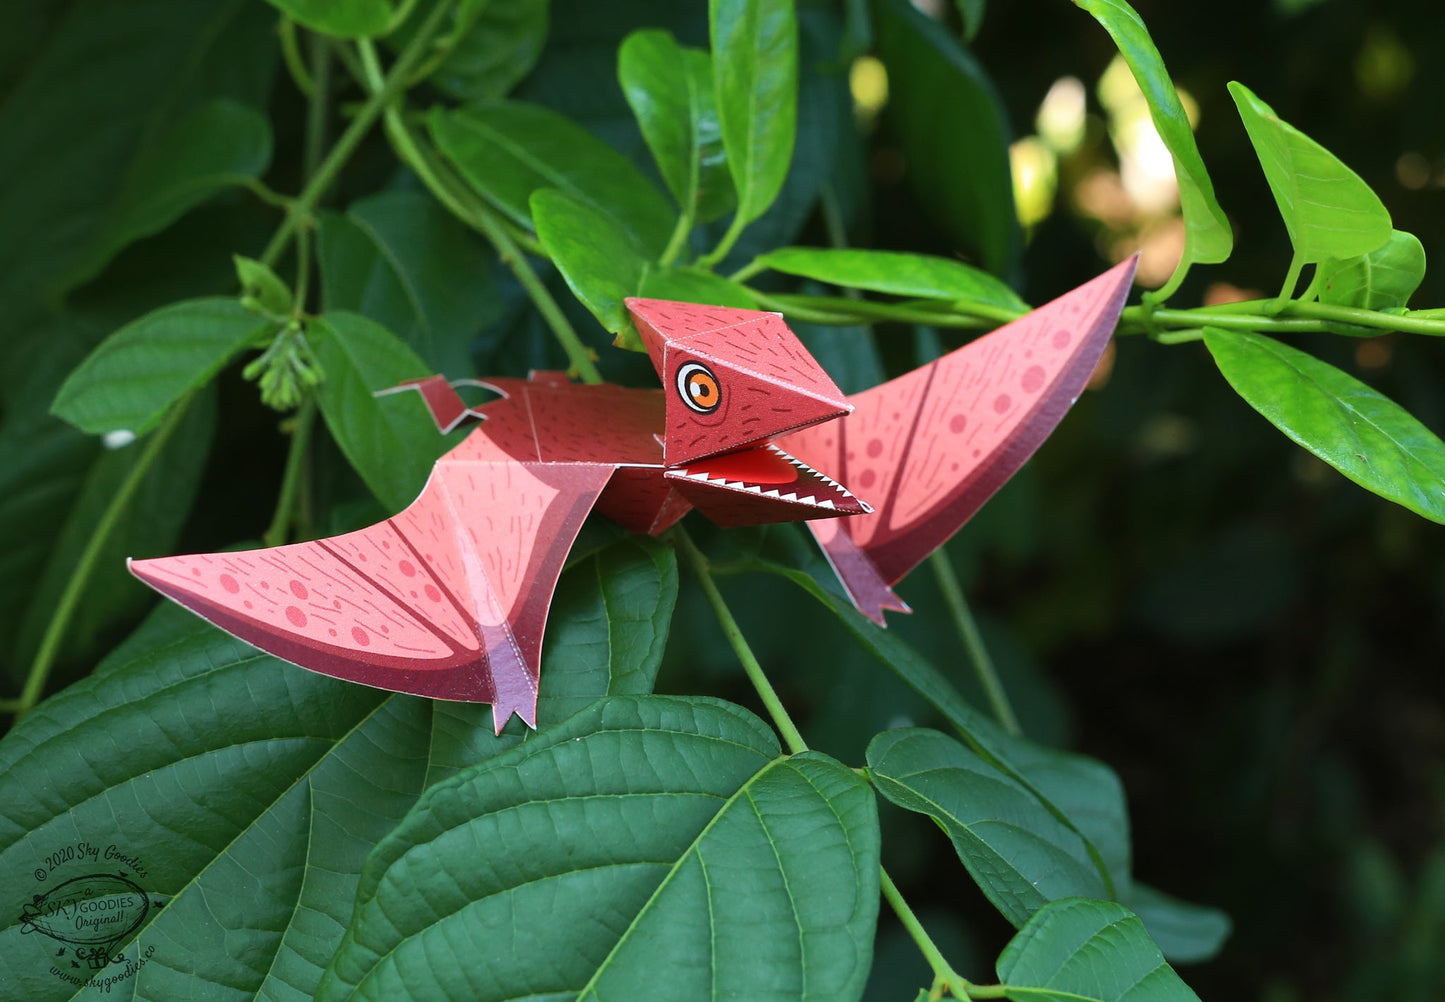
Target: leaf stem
(678,241)
(277,532)
(735,230)
(781,720)
(1291,279)
(75,587)
(291,55)
(461,202)
(300,211)
(972,639)
(943,972)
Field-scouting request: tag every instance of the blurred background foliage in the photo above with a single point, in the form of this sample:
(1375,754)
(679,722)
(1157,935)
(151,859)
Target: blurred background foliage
(1170,586)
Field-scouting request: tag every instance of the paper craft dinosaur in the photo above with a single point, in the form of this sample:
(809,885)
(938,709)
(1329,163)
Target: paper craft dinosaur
(449,597)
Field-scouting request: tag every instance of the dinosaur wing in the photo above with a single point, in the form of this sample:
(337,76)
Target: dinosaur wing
(929,448)
(447,599)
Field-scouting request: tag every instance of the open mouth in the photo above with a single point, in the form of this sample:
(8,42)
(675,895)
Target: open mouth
(768,484)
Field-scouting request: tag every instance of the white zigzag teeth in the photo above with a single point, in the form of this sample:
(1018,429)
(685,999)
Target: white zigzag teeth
(827,503)
(771,494)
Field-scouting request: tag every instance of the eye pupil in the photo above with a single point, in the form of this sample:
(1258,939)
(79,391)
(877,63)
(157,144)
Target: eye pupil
(698,387)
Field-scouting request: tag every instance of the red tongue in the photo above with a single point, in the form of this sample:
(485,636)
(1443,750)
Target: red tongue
(751,466)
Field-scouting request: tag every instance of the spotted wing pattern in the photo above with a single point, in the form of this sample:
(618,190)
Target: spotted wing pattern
(447,599)
(927,449)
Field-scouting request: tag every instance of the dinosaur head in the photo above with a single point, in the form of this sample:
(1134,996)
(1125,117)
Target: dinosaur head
(733,379)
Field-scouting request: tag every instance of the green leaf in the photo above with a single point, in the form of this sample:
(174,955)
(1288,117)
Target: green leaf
(342,18)
(646,848)
(670,90)
(608,626)
(1019,854)
(954,133)
(220,145)
(127,383)
(915,275)
(81,133)
(1363,434)
(499,44)
(755,77)
(1383,279)
(510,149)
(1328,210)
(246,797)
(1087,951)
(599,260)
(1186,933)
(390,440)
(1208,238)
(150,524)
(262,286)
(402,260)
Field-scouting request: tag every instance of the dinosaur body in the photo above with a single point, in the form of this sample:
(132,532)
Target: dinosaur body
(449,597)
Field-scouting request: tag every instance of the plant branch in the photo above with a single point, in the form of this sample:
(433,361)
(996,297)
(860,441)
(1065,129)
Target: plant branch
(972,639)
(300,211)
(781,720)
(276,533)
(466,206)
(80,577)
(943,972)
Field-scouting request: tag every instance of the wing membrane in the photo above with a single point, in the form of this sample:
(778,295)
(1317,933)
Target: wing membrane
(929,448)
(447,599)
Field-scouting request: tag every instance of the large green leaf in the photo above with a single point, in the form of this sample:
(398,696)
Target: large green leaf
(116,129)
(510,149)
(1087,951)
(670,90)
(1208,238)
(342,18)
(599,260)
(611,611)
(1019,854)
(1357,430)
(401,259)
(391,441)
(251,790)
(916,275)
(646,848)
(954,132)
(246,796)
(755,74)
(127,383)
(1327,208)
(1383,279)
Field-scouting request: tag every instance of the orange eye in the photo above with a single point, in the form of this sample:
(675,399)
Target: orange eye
(698,387)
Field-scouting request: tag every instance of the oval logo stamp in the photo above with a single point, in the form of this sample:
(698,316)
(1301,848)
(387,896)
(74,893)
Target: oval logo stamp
(90,914)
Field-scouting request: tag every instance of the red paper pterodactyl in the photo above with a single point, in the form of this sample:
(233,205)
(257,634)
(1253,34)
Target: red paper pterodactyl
(449,597)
